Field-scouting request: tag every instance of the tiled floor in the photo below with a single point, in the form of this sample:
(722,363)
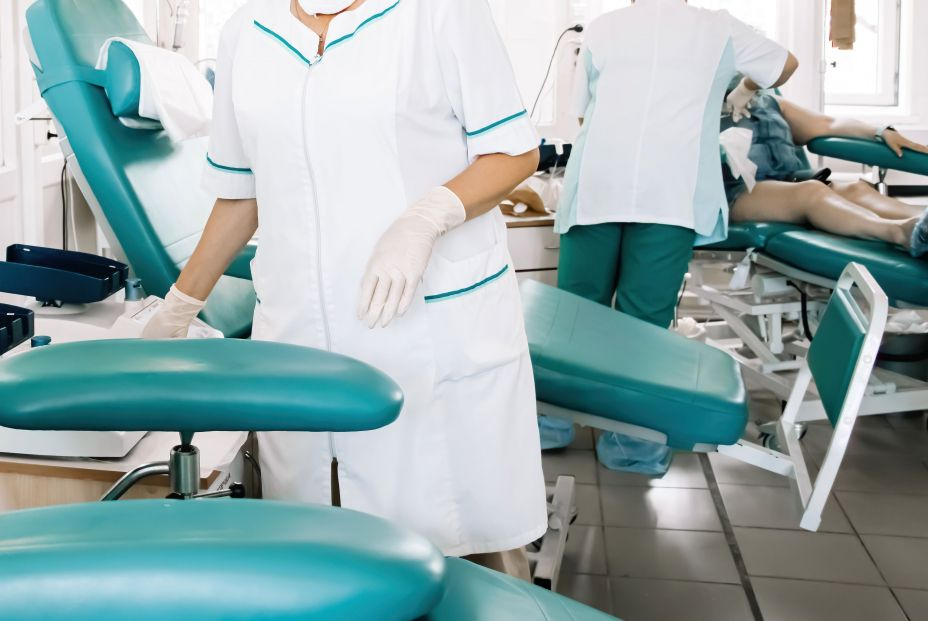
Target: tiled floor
(668,549)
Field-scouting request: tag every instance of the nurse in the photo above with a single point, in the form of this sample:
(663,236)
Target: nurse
(643,183)
(372,141)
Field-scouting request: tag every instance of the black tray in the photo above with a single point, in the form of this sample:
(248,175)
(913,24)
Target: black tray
(64,276)
(17,325)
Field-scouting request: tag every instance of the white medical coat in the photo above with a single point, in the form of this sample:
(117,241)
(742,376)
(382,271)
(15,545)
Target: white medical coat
(650,85)
(335,148)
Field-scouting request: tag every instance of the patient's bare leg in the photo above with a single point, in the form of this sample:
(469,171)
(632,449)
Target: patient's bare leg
(865,195)
(814,203)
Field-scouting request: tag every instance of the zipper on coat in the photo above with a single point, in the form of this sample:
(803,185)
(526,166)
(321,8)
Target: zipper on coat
(319,272)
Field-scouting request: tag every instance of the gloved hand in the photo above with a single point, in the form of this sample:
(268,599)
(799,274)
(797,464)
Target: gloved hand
(402,255)
(174,317)
(738,102)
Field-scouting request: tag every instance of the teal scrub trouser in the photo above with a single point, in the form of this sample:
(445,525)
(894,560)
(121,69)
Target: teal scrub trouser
(641,265)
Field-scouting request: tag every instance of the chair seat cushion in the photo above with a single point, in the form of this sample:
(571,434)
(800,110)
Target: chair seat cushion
(901,277)
(212,559)
(592,359)
(192,386)
(745,235)
(869,151)
(474,593)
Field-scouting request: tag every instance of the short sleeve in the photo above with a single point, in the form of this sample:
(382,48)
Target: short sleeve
(479,80)
(756,56)
(227,172)
(580,94)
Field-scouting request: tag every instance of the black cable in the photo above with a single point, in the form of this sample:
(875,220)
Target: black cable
(64,207)
(803,309)
(577,28)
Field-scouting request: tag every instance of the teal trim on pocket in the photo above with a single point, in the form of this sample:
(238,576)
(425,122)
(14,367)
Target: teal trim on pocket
(282,41)
(498,123)
(367,21)
(440,297)
(231,169)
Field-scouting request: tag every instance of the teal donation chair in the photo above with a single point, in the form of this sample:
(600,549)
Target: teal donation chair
(225,558)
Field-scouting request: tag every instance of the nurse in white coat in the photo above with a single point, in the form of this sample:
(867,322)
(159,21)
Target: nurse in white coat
(372,141)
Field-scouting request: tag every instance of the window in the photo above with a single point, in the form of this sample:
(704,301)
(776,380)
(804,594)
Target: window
(213,16)
(867,75)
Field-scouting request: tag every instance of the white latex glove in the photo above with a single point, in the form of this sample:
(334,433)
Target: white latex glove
(738,103)
(399,260)
(174,317)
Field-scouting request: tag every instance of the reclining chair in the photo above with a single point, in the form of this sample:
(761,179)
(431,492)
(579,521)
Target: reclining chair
(803,266)
(604,369)
(225,559)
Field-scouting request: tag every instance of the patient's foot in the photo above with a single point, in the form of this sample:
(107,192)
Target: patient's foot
(918,244)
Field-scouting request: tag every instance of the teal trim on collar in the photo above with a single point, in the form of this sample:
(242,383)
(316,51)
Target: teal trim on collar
(283,42)
(498,123)
(430,299)
(231,169)
(362,25)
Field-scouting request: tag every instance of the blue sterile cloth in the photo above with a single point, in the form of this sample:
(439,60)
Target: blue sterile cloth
(627,454)
(556,433)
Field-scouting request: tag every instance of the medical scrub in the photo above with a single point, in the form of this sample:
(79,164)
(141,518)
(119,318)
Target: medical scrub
(335,147)
(773,149)
(643,183)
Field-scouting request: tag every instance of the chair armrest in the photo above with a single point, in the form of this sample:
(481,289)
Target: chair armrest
(241,265)
(191,386)
(871,152)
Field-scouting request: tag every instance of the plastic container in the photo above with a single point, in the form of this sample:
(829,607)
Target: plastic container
(60,276)
(17,325)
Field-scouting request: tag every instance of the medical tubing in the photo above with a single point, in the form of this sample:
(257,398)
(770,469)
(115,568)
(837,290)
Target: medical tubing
(803,310)
(576,28)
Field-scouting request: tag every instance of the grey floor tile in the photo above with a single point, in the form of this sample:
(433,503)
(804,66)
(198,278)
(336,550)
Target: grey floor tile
(588,507)
(590,590)
(583,438)
(669,554)
(902,515)
(903,561)
(888,473)
(806,556)
(585,552)
(795,600)
(910,422)
(869,441)
(733,472)
(653,507)
(580,464)
(760,506)
(685,471)
(914,603)
(636,599)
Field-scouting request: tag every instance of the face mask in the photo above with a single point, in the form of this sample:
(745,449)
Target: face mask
(325,7)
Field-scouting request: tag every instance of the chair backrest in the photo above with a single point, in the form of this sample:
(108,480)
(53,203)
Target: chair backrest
(843,352)
(146,187)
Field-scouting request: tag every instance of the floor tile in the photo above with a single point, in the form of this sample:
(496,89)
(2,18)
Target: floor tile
(670,554)
(909,423)
(652,507)
(636,599)
(685,471)
(903,561)
(889,473)
(588,507)
(585,552)
(760,506)
(914,603)
(590,590)
(806,556)
(580,464)
(733,472)
(795,600)
(868,441)
(902,515)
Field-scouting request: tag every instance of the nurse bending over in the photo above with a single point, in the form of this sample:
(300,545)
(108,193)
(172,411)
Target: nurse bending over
(372,141)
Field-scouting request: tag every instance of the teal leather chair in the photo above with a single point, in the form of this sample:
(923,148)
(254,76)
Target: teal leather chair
(225,559)
(145,188)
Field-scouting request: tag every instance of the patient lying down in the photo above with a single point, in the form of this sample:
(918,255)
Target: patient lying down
(853,209)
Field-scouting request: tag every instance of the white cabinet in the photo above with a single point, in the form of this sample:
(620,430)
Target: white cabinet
(534,247)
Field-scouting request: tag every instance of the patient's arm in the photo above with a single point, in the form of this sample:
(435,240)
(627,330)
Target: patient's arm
(230,227)
(807,125)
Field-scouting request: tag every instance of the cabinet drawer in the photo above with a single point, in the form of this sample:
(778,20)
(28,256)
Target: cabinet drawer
(534,247)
